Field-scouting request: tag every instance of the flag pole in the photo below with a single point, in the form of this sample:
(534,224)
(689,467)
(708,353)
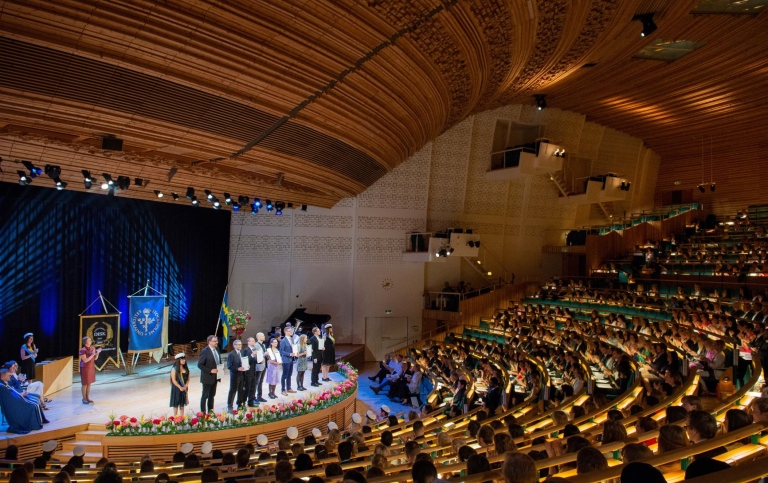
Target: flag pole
(218,319)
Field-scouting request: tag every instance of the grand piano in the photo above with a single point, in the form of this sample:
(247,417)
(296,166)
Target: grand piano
(308,321)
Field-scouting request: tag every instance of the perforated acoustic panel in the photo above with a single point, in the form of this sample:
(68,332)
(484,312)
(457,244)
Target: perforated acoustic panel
(322,221)
(391,223)
(260,248)
(261,219)
(322,250)
(448,171)
(380,251)
(404,188)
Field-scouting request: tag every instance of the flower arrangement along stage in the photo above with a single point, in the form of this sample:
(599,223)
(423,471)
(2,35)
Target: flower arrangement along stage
(238,320)
(142,426)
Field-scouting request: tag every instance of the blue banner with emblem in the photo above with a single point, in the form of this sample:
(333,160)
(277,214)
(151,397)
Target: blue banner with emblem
(146,321)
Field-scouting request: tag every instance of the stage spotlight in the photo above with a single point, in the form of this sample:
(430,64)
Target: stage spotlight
(123,182)
(289,205)
(269,205)
(34,171)
(629,185)
(216,205)
(175,196)
(254,209)
(24,179)
(190,192)
(442,253)
(138,182)
(108,181)
(303,207)
(623,186)
(194,200)
(541,101)
(712,187)
(701,188)
(227,199)
(235,206)
(52,171)
(243,200)
(209,195)
(449,251)
(649,26)
(279,207)
(60,185)
(158,193)
(471,244)
(257,202)
(87,180)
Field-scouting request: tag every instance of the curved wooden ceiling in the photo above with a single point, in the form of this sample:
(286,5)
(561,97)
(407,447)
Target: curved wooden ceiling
(334,94)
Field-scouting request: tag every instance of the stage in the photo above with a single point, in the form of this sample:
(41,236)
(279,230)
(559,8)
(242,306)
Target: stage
(147,392)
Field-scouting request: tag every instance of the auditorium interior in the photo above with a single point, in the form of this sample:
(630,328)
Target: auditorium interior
(549,212)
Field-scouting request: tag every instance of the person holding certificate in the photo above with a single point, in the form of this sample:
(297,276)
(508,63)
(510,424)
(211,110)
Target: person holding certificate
(274,361)
(237,369)
(317,346)
(289,353)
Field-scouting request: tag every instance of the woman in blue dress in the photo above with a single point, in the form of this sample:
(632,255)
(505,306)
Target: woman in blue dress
(274,361)
(179,384)
(22,415)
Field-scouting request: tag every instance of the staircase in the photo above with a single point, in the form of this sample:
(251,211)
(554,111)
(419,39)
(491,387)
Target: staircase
(90,439)
(485,263)
(562,185)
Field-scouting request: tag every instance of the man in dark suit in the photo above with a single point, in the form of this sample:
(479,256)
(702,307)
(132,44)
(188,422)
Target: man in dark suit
(288,354)
(209,373)
(317,356)
(253,374)
(236,370)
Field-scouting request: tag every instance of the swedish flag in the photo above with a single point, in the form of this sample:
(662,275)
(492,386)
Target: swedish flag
(224,318)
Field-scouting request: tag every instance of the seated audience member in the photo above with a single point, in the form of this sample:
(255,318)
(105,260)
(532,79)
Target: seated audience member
(760,409)
(502,443)
(345,451)
(411,450)
(465,452)
(209,475)
(590,459)
(613,431)
(674,414)
(485,436)
(671,437)
(519,468)
(641,473)
(703,467)
(477,463)
(701,427)
(354,476)
(22,415)
(374,472)
(303,462)
(635,452)
(690,403)
(418,430)
(736,419)
(424,472)
(333,469)
(283,471)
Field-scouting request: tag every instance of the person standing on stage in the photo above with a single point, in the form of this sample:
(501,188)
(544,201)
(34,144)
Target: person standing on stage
(329,354)
(28,356)
(236,370)
(179,384)
(209,362)
(88,355)
(301,362)
(261,367)
(317,346)
(249,376)
(274,361)
(288,354)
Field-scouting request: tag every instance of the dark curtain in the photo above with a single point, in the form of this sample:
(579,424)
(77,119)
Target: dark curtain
(59,249)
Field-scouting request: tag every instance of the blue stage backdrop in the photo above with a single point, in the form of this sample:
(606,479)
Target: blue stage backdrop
(59,248)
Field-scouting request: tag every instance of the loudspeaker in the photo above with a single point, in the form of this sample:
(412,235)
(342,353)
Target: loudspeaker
(112,144)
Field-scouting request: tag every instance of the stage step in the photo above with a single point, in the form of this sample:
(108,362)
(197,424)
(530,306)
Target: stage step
(92,446)
(91,435)
(96,427)
(88,457)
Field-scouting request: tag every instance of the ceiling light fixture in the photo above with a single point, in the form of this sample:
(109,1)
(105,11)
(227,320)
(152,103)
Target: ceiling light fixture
(541,101)
(24,179)
(227,199)
(190,192)
(158,193)
(243,200)
(123,182)
(87,180)
(194,200)
(34,171)
(235,206)
(108,181)
(175,196)
(649,26)
(60,185)
(303,207)
(269,205)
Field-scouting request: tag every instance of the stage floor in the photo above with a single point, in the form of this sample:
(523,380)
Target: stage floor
(145,392)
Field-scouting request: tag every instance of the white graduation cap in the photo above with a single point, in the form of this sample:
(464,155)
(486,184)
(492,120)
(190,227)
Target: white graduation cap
(356,418)
(332,425)
(262,440)
(78,450)
(292,432)
(50,445)
(316,432)
(187,448)
(206,448)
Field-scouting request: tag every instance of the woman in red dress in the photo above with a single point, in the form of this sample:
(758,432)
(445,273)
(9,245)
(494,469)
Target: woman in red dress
(88,354)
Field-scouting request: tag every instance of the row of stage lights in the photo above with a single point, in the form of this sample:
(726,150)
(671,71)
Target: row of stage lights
(112,185)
